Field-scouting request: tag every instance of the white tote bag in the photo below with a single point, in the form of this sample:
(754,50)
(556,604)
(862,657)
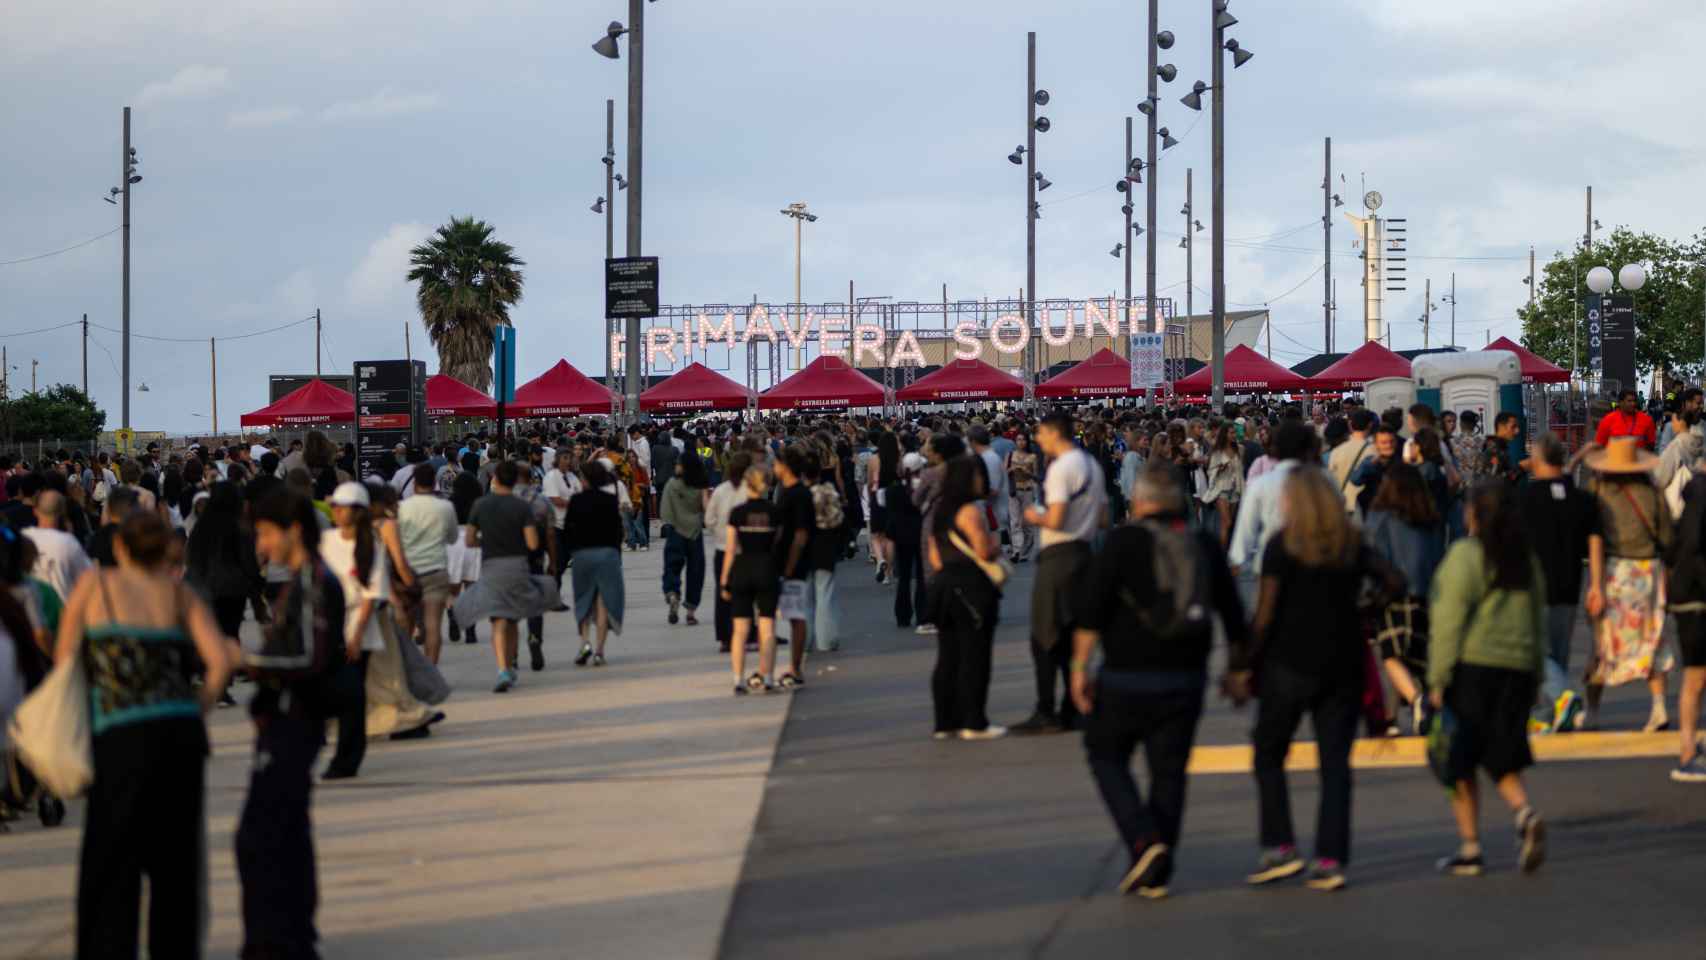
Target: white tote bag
(50,731)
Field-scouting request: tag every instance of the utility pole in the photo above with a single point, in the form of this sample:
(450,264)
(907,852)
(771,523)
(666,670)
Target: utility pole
(1218,180)
(124,185)
(316,341)
(609,231)
(213,365)
(1588,230)
(85,355)
(1149,188)
(1030,297)
(408,350)
(1531,276)
(1427,308)
(636,113)
(1190,248)
(1130,242)
(1327,245)
(1454,308)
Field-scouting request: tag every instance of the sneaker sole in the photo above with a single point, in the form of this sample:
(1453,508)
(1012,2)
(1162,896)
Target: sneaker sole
(1327,885)
(1533,846)
(1152,893)
(1467,871)
(1151,853)
(1282,872)
(1678,776)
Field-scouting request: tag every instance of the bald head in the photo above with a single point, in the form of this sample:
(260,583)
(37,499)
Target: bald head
(50,508)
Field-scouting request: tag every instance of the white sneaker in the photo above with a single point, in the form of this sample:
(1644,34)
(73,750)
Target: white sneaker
(926,629)
(991,732)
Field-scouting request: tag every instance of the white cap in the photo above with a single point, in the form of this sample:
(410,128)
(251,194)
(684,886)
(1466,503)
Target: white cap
(913,461)
(350,494)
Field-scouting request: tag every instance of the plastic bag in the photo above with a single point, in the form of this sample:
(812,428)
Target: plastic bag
(50,731)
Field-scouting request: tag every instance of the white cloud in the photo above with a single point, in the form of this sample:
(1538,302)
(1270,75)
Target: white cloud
(263,117)
(192,82)
(386,103)
(378,279)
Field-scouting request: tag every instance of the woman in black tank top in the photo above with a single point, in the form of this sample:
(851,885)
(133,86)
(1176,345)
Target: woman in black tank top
(750,580)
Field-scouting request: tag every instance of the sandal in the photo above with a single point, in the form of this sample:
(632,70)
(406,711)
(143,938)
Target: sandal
(584,656)
(756,683)
(790,681)
(598,659)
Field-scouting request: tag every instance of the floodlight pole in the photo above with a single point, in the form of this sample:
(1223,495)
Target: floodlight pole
(609,227)
(1030,298)
(1125,342)
(1150,186)
(631,379)
(1218,267)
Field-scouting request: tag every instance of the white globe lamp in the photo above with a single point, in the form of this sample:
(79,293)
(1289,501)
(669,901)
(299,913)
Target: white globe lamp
(1631,277)
(1599,279)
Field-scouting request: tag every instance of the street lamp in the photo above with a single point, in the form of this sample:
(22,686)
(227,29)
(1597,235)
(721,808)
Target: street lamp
(1219,46)
(1159,138)
(127,179)
(800,216)
(607,47)
(1034,181)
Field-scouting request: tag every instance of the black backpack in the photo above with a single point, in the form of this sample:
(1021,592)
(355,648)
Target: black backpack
(1178,608)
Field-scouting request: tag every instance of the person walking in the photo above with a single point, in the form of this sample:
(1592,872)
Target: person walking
(426,524)
(352,551)
(1686,566)
(595,541)
(301,648)
(730,493)
(60,560)
(462,562)
(508,592)
(1148,604)
(1484,662)
(1404,527)
(1636,524)
(1261,513)
(219,562)
(683,501)
(1562,523)
(541,560)
(797,523)
(1225,480)
(1074,510)
(1307,655)
(1023,462)
(561,483)
(636,480)
(881,473)
(749,579)
(965,601)
(905,534)
(140,634)
(828,539)
(995,467)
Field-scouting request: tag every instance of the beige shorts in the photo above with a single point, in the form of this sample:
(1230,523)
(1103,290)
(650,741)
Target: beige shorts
(435,586)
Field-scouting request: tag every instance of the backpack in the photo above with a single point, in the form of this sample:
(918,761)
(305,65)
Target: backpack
(826,505)
(1177,612)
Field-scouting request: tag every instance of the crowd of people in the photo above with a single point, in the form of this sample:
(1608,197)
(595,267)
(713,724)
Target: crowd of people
(1342,552)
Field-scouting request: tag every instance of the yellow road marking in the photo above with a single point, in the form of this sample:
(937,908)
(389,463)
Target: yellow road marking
(1412,751)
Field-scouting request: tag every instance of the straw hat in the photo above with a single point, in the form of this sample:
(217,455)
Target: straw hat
(1622,455)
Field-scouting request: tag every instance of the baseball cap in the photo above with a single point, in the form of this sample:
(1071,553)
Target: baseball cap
(350,494)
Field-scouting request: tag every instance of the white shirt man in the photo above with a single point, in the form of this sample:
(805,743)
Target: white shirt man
(1074,479)
(60,559)
(996,469)
(561,483)
(638,443)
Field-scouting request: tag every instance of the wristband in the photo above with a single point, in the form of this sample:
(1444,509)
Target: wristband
(1080,666)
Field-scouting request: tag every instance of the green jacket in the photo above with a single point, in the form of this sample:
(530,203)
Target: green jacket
(682,508)
(1469,622)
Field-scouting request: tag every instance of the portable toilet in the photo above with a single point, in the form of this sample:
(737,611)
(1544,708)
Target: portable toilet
(1489,382)
(1385,393)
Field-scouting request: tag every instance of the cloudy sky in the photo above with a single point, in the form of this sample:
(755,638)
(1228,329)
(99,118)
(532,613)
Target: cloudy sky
(293,152)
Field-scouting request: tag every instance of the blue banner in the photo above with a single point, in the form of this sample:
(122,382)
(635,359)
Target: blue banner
(503,364)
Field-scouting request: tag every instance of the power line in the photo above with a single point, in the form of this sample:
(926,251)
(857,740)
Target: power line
(25,333)
(55,253)
(239,336)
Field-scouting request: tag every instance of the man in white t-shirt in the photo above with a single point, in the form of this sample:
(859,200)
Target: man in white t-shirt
(996,467)
(561,483)
(1073,510)
(60,559)
(638,443)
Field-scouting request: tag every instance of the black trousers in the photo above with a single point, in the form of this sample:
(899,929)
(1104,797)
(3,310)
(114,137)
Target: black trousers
(228,612)
(720,610)
(1050,665)
(965,642)
(275,843)
(143,817)
(1160,714)
(909,571)
(563,551)
(536,562)
(349,685)
(1334,706)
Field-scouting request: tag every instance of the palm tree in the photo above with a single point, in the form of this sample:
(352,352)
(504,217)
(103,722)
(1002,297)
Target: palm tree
(468,281)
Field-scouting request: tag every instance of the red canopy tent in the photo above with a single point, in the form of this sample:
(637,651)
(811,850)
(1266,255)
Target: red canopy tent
(559,391)
(962,380)
(1102,374)
(695,387)
(1246,372)
(1371,361)
(312,403)
(825,382)
(447,396)
(1534,369)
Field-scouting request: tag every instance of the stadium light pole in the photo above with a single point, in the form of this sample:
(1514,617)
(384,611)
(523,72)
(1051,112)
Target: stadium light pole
(606,47)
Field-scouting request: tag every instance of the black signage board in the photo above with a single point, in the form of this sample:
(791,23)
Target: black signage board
(631,287)
(1617,335)
(390,408)
(1596,335)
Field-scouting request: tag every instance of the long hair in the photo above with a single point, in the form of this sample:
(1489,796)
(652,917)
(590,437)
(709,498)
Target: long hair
(1404,494)
(1498,526)
(693,471)
(218,538)
(364,541)
(964,480)
(1317,531)
(888,459)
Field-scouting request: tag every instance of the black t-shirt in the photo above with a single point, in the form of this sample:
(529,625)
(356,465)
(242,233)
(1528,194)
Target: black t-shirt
(18,513)
(755,523)
(1316,630)
(795,514)
(1559,518)
(1123,573)
(593,519)
(826,545)
(501,518)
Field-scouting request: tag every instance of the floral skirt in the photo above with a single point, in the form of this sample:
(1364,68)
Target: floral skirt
(1628,634)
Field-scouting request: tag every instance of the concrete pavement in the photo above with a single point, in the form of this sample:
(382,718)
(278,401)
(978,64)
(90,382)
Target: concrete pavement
(591,812)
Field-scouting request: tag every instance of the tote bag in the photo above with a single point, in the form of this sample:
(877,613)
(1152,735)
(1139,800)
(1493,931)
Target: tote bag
(50,731)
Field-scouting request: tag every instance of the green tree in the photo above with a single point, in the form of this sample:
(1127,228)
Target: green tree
(1669,309)
(61,412)
(468,281)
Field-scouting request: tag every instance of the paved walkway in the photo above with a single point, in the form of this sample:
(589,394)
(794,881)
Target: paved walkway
(591,812)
